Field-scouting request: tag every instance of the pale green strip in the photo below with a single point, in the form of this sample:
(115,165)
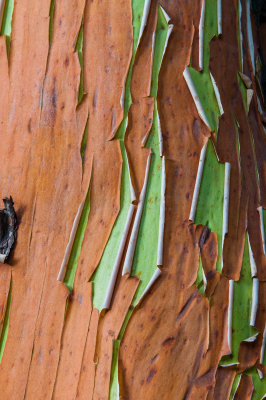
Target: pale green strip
(202,80)
(6,323)
(210,203)
(145,258)
(7,18)
(51,14)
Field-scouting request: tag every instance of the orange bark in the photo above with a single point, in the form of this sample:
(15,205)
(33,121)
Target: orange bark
(108,330)
(245,388)
(87,372)
(73,343)
(224,381)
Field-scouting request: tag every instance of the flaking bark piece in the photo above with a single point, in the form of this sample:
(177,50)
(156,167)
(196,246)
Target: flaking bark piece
(140,115)
(73,343)
(102,59)
(245,388)
(224,381)
(213,278)
(218,327)
(142,68)
(201,388)
(8,228)
(109,327)
(249,353)
(61,168)
(254,115)
(140,123)
(155,360)
(197,393)
(236,147)
(87,372)
(45,357)
(209,253)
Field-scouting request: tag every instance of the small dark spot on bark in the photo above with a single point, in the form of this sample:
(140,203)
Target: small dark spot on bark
(151,374)
(204,236)
(196,129)
(95,98)
(187,195)
(210,274)
(30,128)
(168,341)
(70,297)
(154,358)
(185,250)
(54,94)
(67,61)
(186,306)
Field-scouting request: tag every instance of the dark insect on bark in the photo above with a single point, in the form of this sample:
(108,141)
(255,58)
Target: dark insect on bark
(8,228)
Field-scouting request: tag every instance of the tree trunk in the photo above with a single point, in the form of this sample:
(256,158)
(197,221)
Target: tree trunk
(133,146)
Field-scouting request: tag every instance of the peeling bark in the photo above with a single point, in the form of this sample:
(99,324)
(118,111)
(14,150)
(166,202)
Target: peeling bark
(173,337)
